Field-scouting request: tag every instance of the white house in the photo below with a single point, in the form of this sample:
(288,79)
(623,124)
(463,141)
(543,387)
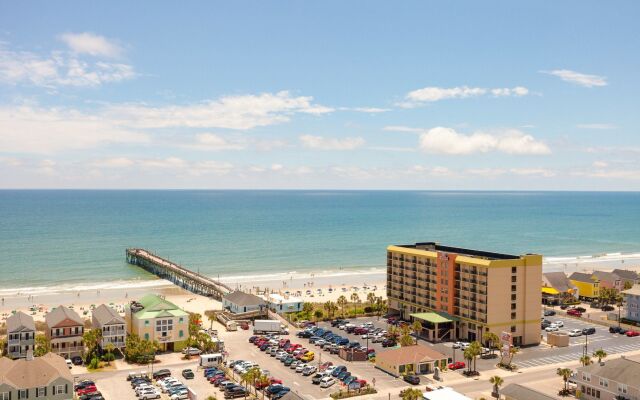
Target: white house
(281,304)
(240,302)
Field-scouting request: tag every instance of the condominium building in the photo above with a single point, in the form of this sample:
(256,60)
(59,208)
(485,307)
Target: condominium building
(21,334)
(609,380)
(461,293)
(112,325)
(156,319)
(64,330)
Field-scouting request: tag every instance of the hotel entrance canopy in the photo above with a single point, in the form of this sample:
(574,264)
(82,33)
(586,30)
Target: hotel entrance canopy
(435,317)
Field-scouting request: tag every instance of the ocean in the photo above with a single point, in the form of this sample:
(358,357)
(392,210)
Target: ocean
(50,239)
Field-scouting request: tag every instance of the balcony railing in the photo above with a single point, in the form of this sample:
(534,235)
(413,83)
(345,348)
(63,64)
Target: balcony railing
(67,349)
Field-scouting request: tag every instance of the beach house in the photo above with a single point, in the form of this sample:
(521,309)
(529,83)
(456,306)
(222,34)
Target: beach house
(417,359)
(629,278)
(632,300)
(284,304)
(154,318)
(588,285)
(239,302)
(609,280)
(557,288)
(21,334)
(610,380)
(64,331)
(46,378)
(515,391)
(112,325)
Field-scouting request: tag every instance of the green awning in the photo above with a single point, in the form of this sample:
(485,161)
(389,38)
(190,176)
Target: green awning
(435,317)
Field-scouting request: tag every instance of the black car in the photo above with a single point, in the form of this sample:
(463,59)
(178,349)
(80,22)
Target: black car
(163,373)
(549,313)
(83,384)
(388,343)
(235,393)
(412,379)
(188,374)
(581,309)
(91,396)
(564,306)
(337,322)
(617,329)
(607,308)
(588,331)
(77,360)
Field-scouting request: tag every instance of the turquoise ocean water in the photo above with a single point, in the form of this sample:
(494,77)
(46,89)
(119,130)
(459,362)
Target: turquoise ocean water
(73,237)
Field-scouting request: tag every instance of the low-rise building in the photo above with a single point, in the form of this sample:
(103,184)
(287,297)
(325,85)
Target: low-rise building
(587,284)
(46,378)
(239,302)
(112,325)
(632,300)
(629,278)
(64,331)
(154,318)
(21,334)
(610,380)
(557,288)
(416,359)
(444,393)
(284,304)
(514,391)
(609,280)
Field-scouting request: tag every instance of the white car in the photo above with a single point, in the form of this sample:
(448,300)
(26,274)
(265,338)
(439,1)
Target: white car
(300,367)
(575,332)
(552,328)
(460,345)
(342,327)
(330,369)
(310,369)
(180,396)
(320,342)
(281,354)
(327,382)
(150,395)
(192,351)
(559,324)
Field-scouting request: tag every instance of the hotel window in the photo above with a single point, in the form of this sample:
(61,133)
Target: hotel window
(622,388)
(513,315)
(513,329)
(513,306)
(146,336)
(23,393)
(514,270)
(181,320)
(181,333)
(513,296)
(513,288)
(514,278)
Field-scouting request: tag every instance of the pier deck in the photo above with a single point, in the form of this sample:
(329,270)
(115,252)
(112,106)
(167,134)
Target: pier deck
(179,275)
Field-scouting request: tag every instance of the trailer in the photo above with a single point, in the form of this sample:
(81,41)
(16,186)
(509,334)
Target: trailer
(261,326)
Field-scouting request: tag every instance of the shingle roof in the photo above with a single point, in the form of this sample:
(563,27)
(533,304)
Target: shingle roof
(621,370)
(244,299)
(40,371)
(59,314)
(292,396)
(635,290)
(558,280)
(626,274)
(604,276)
(519,392)
(409,354)
(581,277)
(106,315)
(20,322)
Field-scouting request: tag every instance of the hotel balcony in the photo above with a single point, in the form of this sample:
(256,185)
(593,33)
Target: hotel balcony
(67,349)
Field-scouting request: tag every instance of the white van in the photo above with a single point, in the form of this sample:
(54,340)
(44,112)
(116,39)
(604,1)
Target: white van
(327,381)
(210,360)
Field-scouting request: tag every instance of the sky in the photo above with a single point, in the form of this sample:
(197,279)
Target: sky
(434,95)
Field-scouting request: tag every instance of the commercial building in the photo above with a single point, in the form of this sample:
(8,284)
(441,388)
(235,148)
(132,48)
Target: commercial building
(611,380)
(239,302)
(587,284)
(112,325)
(632,300)
(45,377)
(64,330)
(514,391)
(416,359)
(284,304)
(461,293)
(21,334)
(154,318)
(444,393)
(556,288)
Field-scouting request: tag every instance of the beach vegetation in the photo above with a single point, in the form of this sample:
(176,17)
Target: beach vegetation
(330,307)
(42,345)
(411,394)
(3,343)
(342,302)
(344,394)
(416,327)
(496,381)
(140,351)
(355,299)
(371,299)
(600,354)
(471,354)
(91,340)
(405,336)
(565,374)
(585,360)
(317,314)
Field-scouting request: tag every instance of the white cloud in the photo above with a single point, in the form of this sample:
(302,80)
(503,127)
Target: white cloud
(211,167)
(437,171)
(89,43)
(448,141)
(486,172)
(432,94)
(163,163)
(115,162)
(58,69)
(542,172)
(401,128)
(597,126)
(27,129)
(578,78)
(368,110)
(231,112)
(324,143)
(600,164)
(213,142)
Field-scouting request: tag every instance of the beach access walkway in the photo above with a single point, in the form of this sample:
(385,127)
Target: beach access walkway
(179,275)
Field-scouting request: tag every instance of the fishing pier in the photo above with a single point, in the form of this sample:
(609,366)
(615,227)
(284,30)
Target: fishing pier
(179,275)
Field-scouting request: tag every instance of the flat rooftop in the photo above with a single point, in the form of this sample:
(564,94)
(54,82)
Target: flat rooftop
(433,246)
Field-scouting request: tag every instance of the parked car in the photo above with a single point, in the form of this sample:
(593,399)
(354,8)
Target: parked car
(617,329)
(327,381)
(412,379)
(552,328)
(188,374)
(456,365)
(549,313)
(589,331)
(77,360)
(192,351)
(607,308)
(559,324)
(632,333)
(575,332)
(574,312)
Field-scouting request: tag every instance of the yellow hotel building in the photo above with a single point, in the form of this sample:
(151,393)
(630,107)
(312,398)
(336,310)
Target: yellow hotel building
(459,294)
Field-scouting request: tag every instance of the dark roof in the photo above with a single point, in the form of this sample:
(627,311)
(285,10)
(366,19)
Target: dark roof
(292,396)
(606,276)
(519,392)
(626,274)
(621,370)
(20,322)
(244,299)
(581,277)
(433,246)
(106,315)
(558,281)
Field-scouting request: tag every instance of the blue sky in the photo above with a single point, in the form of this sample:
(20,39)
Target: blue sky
(375,95)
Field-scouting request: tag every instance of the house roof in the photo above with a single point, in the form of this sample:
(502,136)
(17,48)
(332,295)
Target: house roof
(621,370)
(635,290)
(626,274)
(61,313)
(558,281)
(20,322)
(409,355)
(519,392)
(435,317)
(107,316)
(154,306)
(40,371)
(581,277)
(292,396)
(244,299)
(445,393)
(606,276)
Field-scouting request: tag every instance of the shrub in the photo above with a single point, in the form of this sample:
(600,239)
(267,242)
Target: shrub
(368,309)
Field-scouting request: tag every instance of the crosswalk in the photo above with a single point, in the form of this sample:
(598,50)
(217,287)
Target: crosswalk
(574,356)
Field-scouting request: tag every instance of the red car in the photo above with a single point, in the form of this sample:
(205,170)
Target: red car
(632,333)
(272,381)
(457,365)
(325,365)
(86,390)
(575,313)
(283,342)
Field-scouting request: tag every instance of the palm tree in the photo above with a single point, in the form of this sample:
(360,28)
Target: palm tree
(417,329)
(371,299)
(317,314)
(307,308)
(109,348)
(585,360)
(468,356)
(475,350)
(405,336)
(496,381)
(355,299)
(211,316)
(91,339)
(565,373)
(411,394)
(327,307)
(491,340)
(342,301)
(380,302)
(599,354)
(512,352)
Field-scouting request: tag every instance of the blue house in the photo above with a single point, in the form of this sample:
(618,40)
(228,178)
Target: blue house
(632,299)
